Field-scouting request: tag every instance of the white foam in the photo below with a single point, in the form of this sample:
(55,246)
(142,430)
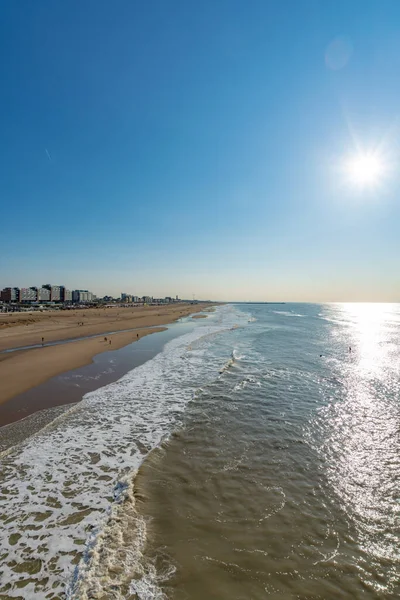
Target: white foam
(57,488)
(287,313)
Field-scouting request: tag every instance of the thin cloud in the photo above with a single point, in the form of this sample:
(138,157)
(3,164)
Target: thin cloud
(48,154)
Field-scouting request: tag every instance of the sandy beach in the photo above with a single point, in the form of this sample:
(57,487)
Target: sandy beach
(23,369)
(24,329)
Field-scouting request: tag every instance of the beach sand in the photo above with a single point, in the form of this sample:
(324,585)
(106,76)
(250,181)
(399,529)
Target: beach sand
(23,369)
(24,329)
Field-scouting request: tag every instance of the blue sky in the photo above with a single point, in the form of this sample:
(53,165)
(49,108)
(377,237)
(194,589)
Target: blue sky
(187,148)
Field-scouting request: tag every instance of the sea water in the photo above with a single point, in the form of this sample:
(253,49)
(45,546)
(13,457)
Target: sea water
(255,457)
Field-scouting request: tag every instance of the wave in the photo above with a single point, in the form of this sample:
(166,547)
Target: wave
(287,313)
(64,488)
(114,560)
(231,361)
(336,321)
(245,381)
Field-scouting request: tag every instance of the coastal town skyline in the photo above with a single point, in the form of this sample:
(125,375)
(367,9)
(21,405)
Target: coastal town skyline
(59,294)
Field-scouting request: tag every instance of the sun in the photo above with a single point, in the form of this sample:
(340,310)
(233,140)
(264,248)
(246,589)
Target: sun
(365,170)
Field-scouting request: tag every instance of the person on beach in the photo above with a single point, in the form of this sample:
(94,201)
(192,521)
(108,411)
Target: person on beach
(137,335)
(110,342)
(42,341)
(105,339)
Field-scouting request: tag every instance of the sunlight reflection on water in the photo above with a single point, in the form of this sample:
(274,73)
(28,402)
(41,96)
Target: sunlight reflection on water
(372,327)
(362,430)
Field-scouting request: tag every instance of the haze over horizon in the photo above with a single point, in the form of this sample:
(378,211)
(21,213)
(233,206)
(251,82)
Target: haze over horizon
(231,150)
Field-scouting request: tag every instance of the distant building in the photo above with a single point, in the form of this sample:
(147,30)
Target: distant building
(10,294)
(147,299)
(67,295)
(126,298)
(28,294)
(55,291)
(43,294)
(82,296)
(135,299)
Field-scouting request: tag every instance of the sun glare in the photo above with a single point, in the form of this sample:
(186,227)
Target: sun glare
(365,170)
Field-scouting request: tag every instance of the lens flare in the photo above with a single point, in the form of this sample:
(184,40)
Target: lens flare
(365,170)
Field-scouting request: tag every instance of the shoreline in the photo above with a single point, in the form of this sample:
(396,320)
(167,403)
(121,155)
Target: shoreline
(27,413)
(22,370)
(38,365)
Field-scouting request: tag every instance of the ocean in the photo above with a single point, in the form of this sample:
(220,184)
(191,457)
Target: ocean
(256,456)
